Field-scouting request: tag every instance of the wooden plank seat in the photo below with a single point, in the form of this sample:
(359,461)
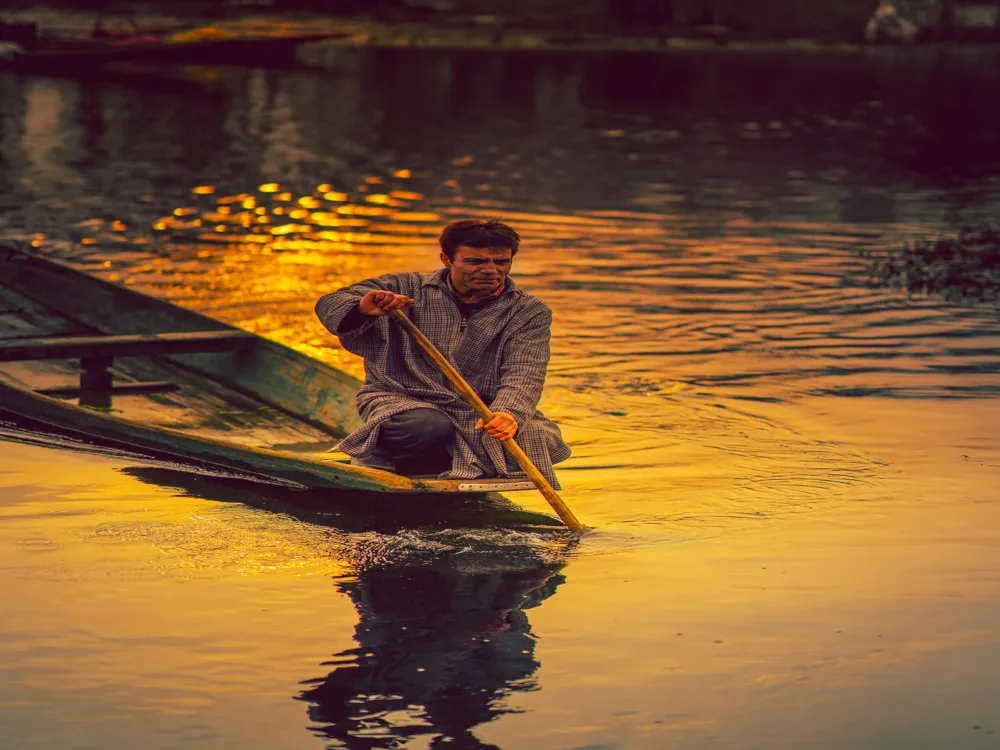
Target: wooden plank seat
(144,344)
(97,353)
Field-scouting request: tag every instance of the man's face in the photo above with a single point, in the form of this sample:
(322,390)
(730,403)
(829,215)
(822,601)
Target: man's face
(477,272)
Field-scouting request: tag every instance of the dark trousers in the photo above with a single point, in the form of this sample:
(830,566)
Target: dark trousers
(417,441)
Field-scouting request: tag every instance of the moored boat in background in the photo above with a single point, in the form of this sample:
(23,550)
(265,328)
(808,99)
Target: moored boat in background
(72,56)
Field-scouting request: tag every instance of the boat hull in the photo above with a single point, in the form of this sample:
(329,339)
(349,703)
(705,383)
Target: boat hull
(304,390)
(285,467)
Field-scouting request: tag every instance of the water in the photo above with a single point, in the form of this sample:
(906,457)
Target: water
(791,476)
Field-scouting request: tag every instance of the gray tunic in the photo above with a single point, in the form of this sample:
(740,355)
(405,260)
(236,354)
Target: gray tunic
(501,349)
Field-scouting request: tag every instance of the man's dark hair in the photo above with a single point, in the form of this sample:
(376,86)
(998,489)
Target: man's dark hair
(478,233)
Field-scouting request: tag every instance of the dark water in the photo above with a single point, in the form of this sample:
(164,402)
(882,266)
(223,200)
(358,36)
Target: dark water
(792,476)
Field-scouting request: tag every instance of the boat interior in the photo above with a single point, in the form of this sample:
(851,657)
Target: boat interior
(49,353)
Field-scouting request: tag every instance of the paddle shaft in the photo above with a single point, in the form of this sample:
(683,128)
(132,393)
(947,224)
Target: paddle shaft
(548,492)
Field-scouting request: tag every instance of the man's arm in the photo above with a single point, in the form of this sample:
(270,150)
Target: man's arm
(350,313)
(523,363)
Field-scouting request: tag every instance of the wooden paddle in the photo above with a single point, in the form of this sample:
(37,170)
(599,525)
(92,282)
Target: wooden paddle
(548,492)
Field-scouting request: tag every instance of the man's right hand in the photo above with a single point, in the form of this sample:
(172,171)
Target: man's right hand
(380,302)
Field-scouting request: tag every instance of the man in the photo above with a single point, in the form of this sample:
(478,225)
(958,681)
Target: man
(496,335)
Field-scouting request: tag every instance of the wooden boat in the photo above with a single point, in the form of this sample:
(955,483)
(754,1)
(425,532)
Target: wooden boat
(169,383)
(71,57)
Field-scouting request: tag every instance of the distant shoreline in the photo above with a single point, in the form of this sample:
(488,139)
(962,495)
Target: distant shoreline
(453,36)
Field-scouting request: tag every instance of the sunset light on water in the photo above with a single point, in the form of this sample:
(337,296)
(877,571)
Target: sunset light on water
(789,476)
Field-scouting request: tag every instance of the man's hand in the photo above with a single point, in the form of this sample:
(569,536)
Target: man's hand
(503,426)
(379,302)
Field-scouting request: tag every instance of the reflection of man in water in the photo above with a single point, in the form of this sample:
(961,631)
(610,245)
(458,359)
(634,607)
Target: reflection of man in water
(438,651)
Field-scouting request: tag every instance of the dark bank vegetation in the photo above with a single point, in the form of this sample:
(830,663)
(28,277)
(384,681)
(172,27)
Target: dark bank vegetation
(963,268)
(723,20)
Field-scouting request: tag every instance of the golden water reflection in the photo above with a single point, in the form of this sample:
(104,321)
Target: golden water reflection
(792,477)
(679,359)
(196,599)
(211,570)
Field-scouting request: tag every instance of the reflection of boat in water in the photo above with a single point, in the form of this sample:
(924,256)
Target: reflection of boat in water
(443,640)
(440,649)
(186,388)
(350,510)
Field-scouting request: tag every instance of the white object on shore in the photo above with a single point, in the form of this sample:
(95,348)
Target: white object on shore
(903,21)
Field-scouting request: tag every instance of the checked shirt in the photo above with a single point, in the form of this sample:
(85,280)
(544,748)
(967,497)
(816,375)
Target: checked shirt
(501,349)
